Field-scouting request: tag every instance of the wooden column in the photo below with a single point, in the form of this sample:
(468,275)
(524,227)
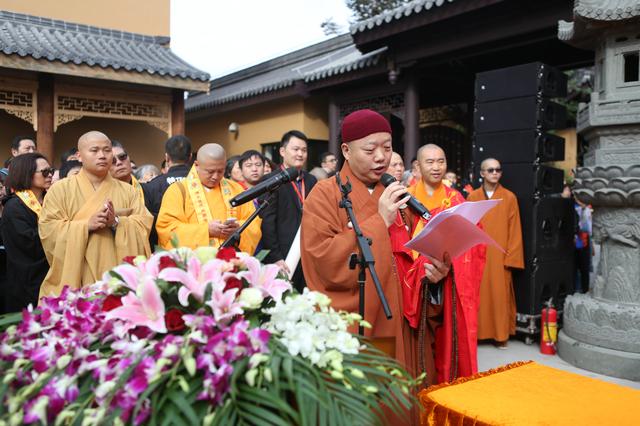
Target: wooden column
(334,128)
(411,120)
(177,113)
(45,116)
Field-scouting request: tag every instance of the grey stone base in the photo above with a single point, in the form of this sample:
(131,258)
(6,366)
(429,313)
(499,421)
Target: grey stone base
(625,365)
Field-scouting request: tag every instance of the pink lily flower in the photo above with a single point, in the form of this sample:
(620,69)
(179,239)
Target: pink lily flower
(195,279)
(264,278)
(224,306)
(130,275)
(143,308)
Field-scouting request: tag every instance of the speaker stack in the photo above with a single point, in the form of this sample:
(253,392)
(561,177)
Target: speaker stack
(513,118)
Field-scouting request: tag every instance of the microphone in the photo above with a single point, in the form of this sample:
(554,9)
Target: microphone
(413,203)
(270,184)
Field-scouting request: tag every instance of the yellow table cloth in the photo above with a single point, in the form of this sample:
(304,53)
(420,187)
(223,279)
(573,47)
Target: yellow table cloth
(526,393)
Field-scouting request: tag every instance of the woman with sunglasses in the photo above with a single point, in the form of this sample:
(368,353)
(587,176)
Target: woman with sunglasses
(29,178)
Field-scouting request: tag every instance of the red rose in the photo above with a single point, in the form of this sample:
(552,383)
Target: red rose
(167,262)
(111,302)
(128,259)
(141,332)
(173,320)
(226,253)
(233,283)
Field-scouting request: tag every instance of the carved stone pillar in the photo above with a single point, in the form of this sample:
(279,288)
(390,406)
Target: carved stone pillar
(602,328)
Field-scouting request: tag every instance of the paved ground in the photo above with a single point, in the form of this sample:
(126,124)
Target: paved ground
(490,357)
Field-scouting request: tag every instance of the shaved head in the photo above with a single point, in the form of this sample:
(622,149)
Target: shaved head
(429,147)
(432,162)
(210,164)
(91,136)
(211,151)
(96,153)
(485,163)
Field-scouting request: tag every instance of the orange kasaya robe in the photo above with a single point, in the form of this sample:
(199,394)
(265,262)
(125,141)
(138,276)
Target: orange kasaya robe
(497,315)
(455,341)
(327,242)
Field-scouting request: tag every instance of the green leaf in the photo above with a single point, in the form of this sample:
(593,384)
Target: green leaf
(178,399)
(262,255)
(8,320)
(254,414)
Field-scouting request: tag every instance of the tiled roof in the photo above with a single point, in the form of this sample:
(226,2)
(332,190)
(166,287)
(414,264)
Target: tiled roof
(54,40)
(323,60)
(411,8)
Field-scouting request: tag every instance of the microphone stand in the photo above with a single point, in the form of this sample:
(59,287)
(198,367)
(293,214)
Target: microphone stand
(234,239)
(366,259)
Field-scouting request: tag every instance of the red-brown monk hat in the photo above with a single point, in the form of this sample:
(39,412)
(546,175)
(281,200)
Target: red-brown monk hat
(362,123)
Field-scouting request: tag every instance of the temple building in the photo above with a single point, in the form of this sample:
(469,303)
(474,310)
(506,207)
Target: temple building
(67,67)
(415,64)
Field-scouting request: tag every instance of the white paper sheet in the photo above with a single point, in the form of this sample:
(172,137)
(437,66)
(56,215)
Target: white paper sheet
(454,230)
(293,257)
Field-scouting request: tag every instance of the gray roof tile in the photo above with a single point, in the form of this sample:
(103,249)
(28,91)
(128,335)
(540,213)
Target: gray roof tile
(323,60)
(54,40)
(411,8)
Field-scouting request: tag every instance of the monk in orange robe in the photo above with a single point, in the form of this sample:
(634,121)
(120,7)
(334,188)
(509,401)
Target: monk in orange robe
(497,317)
(328,240)
(455,342)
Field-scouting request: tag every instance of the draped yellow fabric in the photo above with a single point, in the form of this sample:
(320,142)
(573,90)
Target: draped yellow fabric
(30,200)
(77,257)
(178,217)
(137,186)
(527,393)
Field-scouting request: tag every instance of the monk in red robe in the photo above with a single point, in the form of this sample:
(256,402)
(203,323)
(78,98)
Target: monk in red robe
(328,240)
(458,293)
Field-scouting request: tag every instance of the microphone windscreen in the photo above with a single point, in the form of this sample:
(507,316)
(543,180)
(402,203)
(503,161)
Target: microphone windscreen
(387,179)
(292,173)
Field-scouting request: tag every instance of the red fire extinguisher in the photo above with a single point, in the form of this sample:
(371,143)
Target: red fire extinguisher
(548,329)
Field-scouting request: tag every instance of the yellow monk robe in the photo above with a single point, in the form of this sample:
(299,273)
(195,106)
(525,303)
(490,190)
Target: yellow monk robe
(497,316)
(326,244)
(77,257)
(178,216)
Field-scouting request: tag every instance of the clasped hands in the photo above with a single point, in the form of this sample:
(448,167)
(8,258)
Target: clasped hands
(103,218)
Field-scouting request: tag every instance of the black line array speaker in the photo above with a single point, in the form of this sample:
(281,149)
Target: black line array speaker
(531,112)
(512,115)
(527,180)
(534,79)
(523,146)
(547,229)
(539,282)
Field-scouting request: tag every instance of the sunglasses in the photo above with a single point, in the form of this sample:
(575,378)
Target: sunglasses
(492,170)
(47,172)
(122,156)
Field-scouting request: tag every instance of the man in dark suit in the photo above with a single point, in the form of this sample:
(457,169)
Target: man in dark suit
(177,156)
(281,219)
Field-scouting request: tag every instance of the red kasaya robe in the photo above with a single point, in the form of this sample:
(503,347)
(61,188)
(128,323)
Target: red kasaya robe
(455,342)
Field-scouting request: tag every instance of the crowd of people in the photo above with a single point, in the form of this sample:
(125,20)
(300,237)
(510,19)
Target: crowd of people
(67,227)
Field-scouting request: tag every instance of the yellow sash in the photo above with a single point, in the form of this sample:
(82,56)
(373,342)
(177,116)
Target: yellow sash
(199,200)
(136,185)
(29,199)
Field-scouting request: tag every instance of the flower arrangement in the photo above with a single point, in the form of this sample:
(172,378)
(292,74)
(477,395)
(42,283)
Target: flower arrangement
(193,337)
